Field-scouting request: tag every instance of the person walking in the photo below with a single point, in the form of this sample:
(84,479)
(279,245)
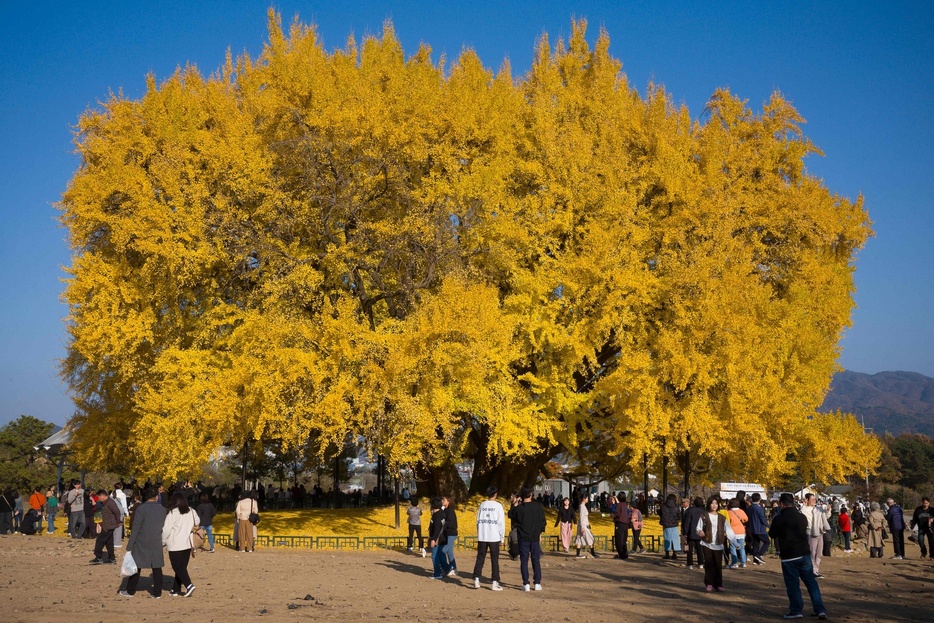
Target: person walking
(180,522)
(790,530)
(529,520)
(75,502)
(713,531)
(565,522)
(414,513)
(923,520)
(621,521)
(669,516)
(110,519)
(491,530)
(896,519)
(584,535)
(145,543)
(450,532)
(436,540)
(206,512)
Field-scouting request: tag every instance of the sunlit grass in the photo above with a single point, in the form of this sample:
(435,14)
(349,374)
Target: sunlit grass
(380,522)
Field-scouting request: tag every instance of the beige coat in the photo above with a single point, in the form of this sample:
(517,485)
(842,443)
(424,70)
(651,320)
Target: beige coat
(876,524)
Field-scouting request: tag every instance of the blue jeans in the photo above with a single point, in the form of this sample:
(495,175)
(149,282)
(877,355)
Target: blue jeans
(533,550)
(209,530)
(440,561)
(801,569)
(449,552)
(738,550)
(51,518)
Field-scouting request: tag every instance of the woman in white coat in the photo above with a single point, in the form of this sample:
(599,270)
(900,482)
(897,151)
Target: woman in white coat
(176,536)
(584,535)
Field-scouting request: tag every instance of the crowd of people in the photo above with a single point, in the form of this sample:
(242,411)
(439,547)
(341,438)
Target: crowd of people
(714,533)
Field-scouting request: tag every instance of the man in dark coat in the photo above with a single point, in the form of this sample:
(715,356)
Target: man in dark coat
(529,520)
(689,530)
(896,519)
(111,518)
(621,522)
(146,543)
(790,530)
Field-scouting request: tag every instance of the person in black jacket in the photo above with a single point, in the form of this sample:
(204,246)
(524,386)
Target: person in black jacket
(688,528)
(206,512)
(669,515)
(436,540)
(790,530)
(529,520)
(450,532)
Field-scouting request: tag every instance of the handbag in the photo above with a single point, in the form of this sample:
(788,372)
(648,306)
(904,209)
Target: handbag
(128,567)
(198,534)
(254,518)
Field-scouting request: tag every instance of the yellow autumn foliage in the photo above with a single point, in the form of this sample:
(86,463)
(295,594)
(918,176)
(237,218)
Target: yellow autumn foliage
(449,262)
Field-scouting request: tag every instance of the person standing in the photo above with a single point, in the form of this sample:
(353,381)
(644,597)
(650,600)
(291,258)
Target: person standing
(450,532)
(923,519)
(817,526)
(669,515)
(6,511)
(245,507)
(529,520)
(738,521)
(896,519)
(636,521)
(584,535)
(876,523)
(120,498)
(691,516)
(713,530)
(110,519)
(206,512)
(37,502)
(51,508)
(565,521)
(414,513)
(621,522)
(845,528)
(145,543)
(180,522)
(491,530)
(790,530)
(75,501)
(758,529)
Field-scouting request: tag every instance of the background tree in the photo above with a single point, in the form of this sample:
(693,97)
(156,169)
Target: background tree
(451,263)
(21,465)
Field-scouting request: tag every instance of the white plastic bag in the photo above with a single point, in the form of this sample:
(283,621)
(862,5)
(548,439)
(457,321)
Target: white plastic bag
(128,567)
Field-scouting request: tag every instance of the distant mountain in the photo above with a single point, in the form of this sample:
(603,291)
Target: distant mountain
(894,402)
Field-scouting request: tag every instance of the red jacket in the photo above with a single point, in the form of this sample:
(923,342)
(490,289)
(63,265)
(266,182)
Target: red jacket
(844,520)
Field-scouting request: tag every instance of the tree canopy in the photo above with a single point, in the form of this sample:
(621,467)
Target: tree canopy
(451,262)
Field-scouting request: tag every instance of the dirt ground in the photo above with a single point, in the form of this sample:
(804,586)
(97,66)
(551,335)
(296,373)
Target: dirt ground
(49,579)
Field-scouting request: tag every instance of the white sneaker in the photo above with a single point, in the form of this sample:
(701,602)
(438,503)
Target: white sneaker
(496,587)
(424,553)
(476,582)
(538,587)
(452,573)
(525,588)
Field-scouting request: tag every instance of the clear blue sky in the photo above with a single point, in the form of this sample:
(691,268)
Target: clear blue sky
(862,74)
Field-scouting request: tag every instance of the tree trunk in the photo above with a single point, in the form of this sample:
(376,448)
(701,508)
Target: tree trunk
(508,476)
(439,480)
